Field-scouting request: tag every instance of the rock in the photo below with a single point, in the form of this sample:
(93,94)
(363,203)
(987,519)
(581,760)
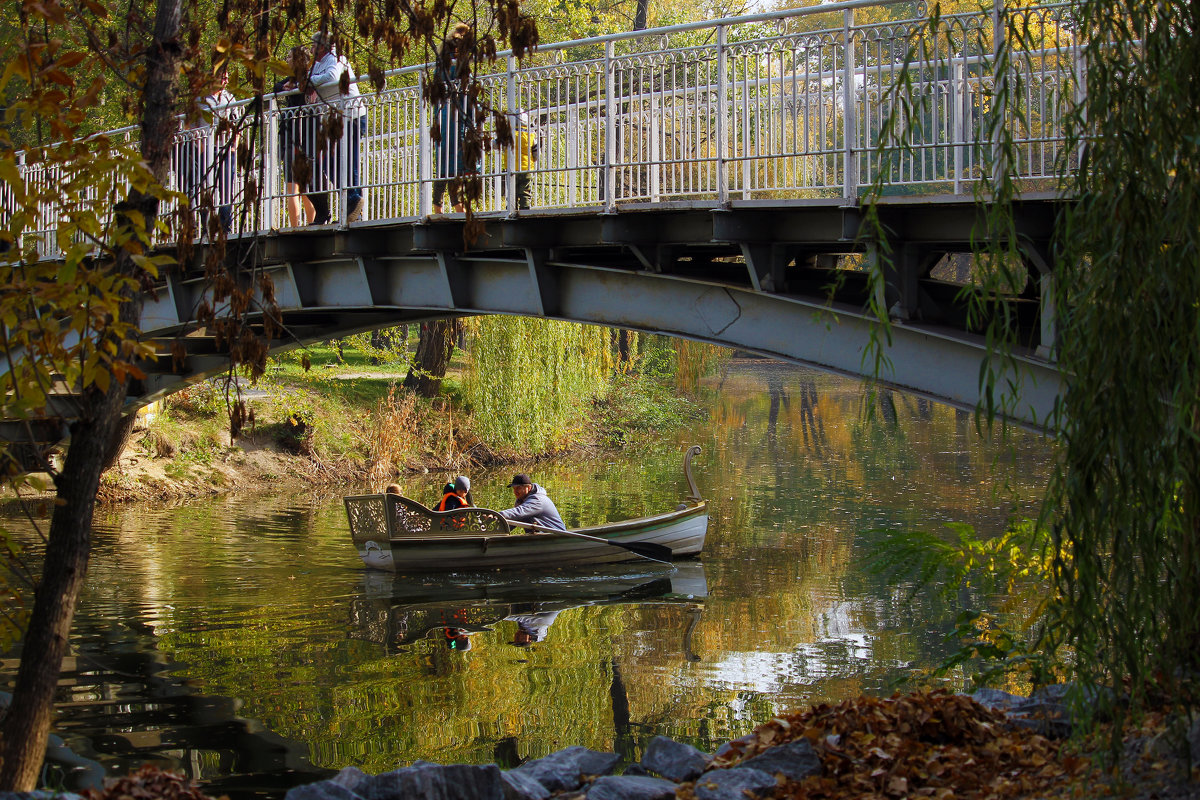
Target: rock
(79,772)
(565,769)
(732,784)
(637,770)
(1094,697)
(429,781)
(522,787)
(1053,693)
(631,787)
(1194,740)
(1052,720)
(997,700)
(795,760)
(673,760)
(321,790)
(351,778)
(734,746)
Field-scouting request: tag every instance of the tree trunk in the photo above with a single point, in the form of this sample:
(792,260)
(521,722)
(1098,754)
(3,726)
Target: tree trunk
(434,348)
(624,353)
(27,725)
(121,434)
(640,17)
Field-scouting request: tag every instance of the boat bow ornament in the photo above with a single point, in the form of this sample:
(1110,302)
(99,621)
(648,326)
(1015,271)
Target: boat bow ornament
(703,180)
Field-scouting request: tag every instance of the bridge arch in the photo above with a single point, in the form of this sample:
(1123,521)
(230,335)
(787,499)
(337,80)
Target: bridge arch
(696,274)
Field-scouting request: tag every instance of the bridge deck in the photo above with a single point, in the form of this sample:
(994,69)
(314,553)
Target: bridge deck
(704,181)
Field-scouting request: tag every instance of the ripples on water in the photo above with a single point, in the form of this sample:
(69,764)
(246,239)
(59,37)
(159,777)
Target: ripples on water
(240,639)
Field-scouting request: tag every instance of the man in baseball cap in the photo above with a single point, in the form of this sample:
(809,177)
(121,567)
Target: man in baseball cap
(533,505)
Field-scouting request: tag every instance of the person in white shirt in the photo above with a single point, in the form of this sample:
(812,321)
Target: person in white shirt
(326,78)
(206,145)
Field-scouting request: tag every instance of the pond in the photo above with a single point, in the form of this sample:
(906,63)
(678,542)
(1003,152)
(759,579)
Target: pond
(240,639)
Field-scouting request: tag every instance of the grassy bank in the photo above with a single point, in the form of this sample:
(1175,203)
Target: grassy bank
(348,419)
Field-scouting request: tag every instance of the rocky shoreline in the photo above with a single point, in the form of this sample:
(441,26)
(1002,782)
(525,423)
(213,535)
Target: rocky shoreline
(984,746)
(991,744)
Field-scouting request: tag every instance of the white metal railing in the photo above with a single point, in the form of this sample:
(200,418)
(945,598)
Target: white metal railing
(765,108)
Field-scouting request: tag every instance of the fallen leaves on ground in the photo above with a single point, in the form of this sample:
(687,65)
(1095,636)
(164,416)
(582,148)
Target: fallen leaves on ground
(922,745)
(149,783)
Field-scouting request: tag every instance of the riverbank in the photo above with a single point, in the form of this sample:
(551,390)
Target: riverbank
(346,424)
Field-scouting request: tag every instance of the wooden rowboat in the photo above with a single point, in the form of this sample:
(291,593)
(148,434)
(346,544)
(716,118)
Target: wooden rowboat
(398,534)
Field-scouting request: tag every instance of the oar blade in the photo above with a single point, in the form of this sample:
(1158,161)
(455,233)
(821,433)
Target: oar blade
(648,549)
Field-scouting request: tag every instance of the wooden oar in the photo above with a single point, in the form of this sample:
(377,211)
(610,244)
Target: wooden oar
(654,552)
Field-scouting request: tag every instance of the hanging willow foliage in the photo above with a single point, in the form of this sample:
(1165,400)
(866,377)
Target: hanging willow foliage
(694,360)
(528,380)
(1124,502)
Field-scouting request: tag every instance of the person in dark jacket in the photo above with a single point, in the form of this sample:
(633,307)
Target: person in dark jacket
(533,505)
(456,494)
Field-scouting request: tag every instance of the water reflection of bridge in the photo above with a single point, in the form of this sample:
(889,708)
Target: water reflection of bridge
(704,181)
(128,708)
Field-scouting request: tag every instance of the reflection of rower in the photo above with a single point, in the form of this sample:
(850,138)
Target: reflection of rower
(531,627)
(457,639)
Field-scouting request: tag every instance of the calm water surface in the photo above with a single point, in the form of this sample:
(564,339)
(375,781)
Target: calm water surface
(240,639)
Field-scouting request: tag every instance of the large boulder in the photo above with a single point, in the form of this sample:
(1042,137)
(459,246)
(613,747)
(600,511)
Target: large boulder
(433,782)
(321,790)
(566,769)
(795,761)
(733,784)
(673,760)
(631,787)
(997,700)
(351,778)
(1052,720)
(1194,740)
(522,787)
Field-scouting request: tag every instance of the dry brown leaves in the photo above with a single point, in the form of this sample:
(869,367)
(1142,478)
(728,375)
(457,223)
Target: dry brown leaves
(148,783)
(926,744)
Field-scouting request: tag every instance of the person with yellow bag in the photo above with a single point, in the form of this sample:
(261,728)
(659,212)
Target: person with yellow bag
(525,150)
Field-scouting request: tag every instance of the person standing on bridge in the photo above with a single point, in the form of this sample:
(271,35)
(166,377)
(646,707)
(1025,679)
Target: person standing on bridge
(453,119)
(523,154)
(294,160)
(329,70)
(207,156)
(533,505)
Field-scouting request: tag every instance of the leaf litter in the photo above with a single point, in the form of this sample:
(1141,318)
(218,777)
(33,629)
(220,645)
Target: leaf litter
(935,744)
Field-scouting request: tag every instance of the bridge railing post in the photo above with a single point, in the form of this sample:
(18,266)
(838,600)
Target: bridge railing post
(849,111)
(513,153)
(269,200)
(958,94)
(424,157)
(722,116)
(343,153)
(1080,96)
(609,195)
(999,92)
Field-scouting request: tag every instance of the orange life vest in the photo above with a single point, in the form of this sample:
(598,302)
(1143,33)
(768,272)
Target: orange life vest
(446,505)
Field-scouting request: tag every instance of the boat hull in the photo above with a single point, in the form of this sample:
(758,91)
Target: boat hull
(683,532)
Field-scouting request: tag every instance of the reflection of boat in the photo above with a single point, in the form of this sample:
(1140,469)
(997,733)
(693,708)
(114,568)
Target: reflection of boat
(396,611)
(401,535)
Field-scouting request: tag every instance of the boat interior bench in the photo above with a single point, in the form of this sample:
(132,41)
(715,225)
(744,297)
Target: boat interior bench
(393,516)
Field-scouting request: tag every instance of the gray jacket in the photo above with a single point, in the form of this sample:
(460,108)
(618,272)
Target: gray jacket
(535,507)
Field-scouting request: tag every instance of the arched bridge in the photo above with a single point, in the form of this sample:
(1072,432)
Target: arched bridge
(704,180)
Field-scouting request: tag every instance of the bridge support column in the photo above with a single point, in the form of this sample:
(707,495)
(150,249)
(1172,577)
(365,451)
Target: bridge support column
(901,274)
(545,283)
(1048,335)
(766,264)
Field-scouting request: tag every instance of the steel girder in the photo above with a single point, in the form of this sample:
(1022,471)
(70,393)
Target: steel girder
(750,276)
